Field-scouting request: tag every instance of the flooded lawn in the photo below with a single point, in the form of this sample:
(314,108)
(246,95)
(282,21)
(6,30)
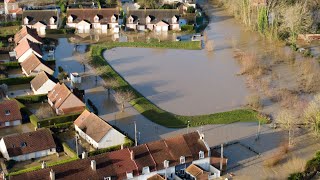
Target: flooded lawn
(181,81)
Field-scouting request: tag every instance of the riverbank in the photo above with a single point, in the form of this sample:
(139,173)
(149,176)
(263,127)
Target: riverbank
(153,112)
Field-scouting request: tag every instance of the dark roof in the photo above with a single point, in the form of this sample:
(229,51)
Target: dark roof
(29,142)
(156,15)
(117,163)
(42,16)
(88,15)
(9,111)
(41,78)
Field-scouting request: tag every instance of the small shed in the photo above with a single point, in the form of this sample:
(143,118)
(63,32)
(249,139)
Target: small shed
(75,77)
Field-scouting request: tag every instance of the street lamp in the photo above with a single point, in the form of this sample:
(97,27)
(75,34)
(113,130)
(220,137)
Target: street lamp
(188,126)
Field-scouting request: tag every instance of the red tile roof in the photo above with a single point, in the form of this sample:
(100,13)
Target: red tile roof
(40,79)
(117,163)
(28,33)
(31,63)
(30,142)
(24,46)
(92,125)
(11,108)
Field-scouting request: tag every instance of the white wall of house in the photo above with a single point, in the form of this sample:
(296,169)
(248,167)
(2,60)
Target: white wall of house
(131,26)
(45,88)
(71,25)
(37,154)
(175,27)
(27,54)
(3,149)
(112,138)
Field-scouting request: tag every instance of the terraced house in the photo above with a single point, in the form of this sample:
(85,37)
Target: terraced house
(41,20)
(98,20)
(159,20)
(166,158)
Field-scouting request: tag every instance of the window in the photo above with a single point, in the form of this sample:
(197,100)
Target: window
(107,178)
(7,112)
(182,160)
(182,171)
(96,19)
(201,155)
(23,144)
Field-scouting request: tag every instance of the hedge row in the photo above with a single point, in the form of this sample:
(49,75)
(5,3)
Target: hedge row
(10,23)
(67,149)
(187,28)
(55,121)
(11,65)
(29,99)
(16,80)
(128,143)
(60,31)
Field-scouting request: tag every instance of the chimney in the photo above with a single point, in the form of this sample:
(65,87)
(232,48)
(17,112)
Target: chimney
(84,155)
(52,175)
(221,158)
(132,155)
(93,165)
(43,165)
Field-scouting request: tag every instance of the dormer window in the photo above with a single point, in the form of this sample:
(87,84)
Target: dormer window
(52,20)
(23,144)
(201,155)
(70,19)
(145,170)
(148,19)
(107,178)
(25,21)
(174,19)
(182,160)
(113,19)
(96,19)
(7,112)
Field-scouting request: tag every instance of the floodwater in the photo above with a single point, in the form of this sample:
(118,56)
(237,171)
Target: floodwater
(185,82)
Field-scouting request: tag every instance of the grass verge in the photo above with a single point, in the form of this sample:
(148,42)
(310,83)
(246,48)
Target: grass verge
(153,112)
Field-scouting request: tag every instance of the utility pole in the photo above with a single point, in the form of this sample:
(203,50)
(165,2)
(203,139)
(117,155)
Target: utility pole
(258,132)
(135,133)
(188,126)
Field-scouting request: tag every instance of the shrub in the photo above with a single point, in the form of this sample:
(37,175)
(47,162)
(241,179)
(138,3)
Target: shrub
(191,9)
(10,23)
(166,6)
(11,65)
(54,121)
(16,80)
(187,28)
(29,99)
(254,102)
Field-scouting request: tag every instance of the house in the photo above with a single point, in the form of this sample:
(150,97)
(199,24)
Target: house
(64,101)
(43,83)
(10,114)
(25,49)
(159,20)
(25,146)
(99,20)
(11,7)
(167,158)
(41,20)
(86,126)
(27,33)
(33,66)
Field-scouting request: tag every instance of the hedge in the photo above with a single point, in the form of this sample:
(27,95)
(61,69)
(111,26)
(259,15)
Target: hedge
(11,65)
(39,166)
(128,143)
(67,149)
(33,119)
(16,80)
(55,121)
(60,31)
(187,28)
(158,115)
(29,99)
(10,23)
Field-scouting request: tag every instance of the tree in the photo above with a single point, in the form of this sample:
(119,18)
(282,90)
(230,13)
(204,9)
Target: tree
(122,97)
(110,83)
(286,120)
(312,115)
(44,111)
(3,91)
(191,9)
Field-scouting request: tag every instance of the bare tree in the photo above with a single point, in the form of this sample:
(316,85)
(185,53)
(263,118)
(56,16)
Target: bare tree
(3,91)
(312,115)
(110,83)
(44,112)
(286,120)
(122,97)
(254,102)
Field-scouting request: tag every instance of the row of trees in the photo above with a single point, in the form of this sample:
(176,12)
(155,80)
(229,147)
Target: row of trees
(283,19)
